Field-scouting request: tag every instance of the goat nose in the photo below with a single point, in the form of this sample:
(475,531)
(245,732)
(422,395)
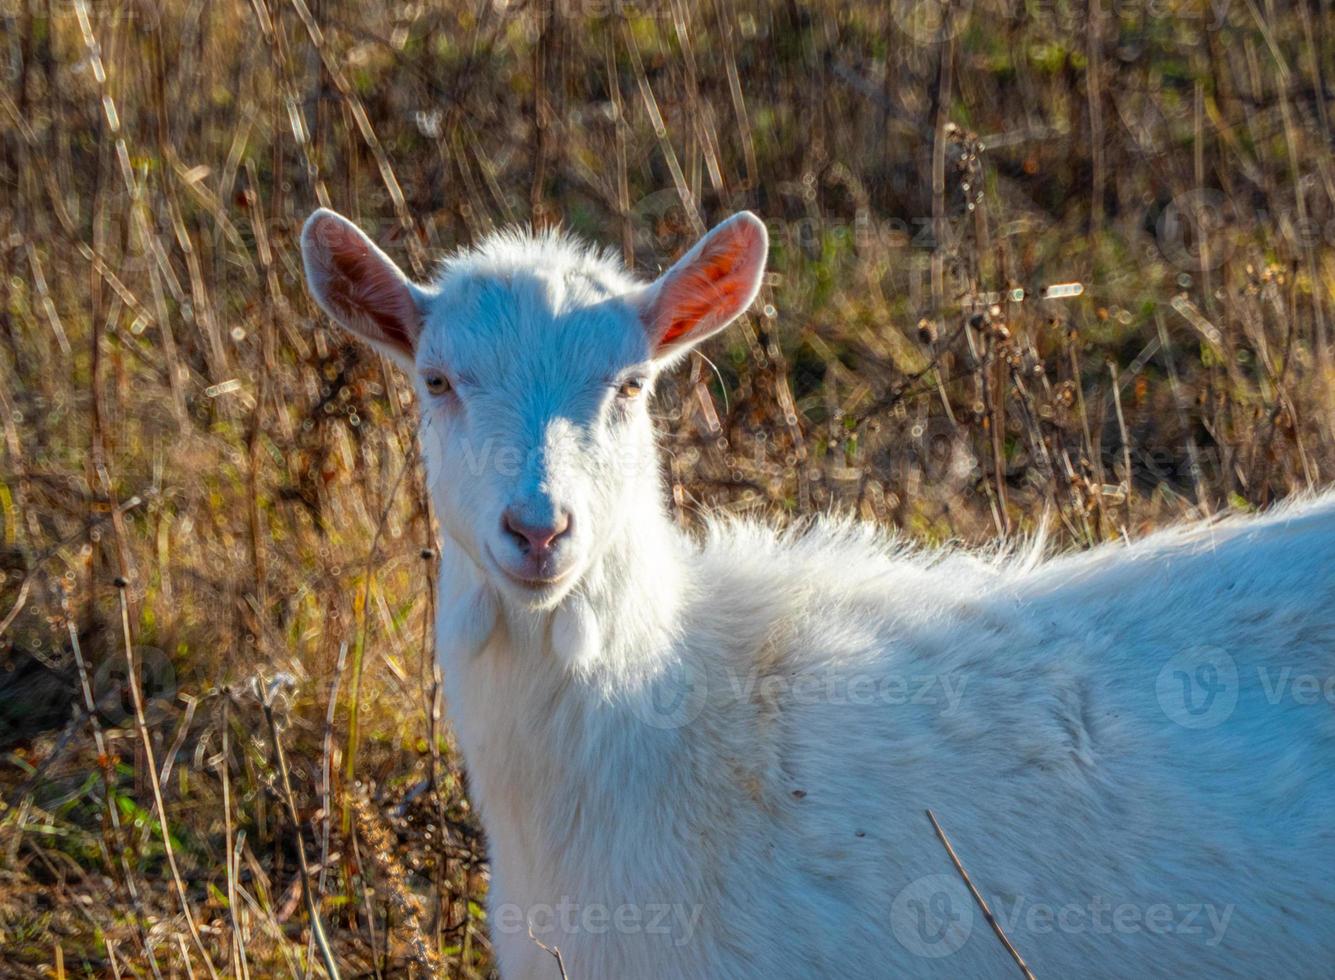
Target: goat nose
(535,538)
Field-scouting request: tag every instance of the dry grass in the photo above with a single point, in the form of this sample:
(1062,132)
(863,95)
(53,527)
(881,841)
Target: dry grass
(176,417)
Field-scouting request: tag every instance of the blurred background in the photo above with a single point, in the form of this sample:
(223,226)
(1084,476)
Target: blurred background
(1036,266)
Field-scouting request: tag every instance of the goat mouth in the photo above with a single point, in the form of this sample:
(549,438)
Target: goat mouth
(531,583)
(536,584)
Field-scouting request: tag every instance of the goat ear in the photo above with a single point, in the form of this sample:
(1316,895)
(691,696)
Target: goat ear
(708,287)
(360,286)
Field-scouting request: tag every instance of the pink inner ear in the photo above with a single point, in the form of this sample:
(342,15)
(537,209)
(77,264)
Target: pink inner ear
(710,286)
(363,285)
(713,287)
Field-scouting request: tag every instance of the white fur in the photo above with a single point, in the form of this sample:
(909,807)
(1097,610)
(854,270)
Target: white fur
(736,738)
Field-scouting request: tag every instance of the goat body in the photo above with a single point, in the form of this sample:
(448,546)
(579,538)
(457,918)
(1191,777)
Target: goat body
(713,758)
(1130,750)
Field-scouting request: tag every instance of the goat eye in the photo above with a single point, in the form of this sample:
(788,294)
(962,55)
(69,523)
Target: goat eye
(437,384)
(631,388)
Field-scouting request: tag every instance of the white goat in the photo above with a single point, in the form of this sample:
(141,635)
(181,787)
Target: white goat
(712,759)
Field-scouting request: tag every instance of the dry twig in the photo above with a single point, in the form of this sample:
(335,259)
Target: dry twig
(977,897)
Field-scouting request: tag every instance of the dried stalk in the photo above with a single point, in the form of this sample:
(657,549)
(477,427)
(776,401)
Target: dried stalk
(977,897)
(141,725)
(308,892)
